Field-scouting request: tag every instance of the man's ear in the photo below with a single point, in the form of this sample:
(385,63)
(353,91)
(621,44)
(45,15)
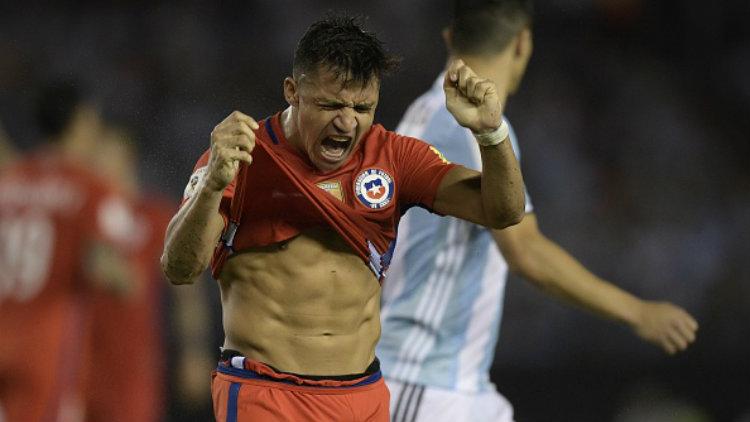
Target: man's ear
(291,91)
(447,34)
(524,44)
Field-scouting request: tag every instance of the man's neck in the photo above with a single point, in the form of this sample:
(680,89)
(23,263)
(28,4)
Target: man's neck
(288,125)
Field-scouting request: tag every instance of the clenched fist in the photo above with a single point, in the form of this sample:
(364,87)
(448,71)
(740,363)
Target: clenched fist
(473,101)
(232,141)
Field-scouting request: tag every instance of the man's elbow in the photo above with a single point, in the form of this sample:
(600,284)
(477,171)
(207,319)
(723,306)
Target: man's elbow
(508,217)
(178,274)
(516,215)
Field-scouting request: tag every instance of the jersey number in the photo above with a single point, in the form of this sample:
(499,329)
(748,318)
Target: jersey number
(25,254)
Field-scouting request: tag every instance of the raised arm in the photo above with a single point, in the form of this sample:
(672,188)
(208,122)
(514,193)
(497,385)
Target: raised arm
(538,259)
(195,229)
(495,197)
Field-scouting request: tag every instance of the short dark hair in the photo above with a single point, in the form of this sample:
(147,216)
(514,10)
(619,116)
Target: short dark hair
(56,104)
(339,43)
(488,26)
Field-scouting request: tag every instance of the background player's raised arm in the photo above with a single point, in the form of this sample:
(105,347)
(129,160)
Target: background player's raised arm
(551,268)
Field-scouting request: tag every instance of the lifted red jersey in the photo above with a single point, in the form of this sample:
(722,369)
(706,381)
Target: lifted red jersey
(281,193)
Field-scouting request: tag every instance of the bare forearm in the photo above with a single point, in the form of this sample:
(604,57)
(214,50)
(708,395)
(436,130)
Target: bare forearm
(195,230)
(191,237)
(502,186)
(543,262)
(554,270)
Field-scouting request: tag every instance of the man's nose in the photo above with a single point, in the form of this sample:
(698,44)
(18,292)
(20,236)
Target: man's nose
(345,121)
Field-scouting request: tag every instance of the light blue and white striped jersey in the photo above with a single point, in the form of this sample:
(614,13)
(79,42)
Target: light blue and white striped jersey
(442,300)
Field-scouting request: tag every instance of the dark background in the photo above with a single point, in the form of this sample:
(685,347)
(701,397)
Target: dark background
(633,122)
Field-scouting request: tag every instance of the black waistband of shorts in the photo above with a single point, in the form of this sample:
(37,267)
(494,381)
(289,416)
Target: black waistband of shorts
(228,354)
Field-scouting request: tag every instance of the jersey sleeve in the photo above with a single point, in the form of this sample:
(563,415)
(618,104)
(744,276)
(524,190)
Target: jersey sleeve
(199,172)
(421,169)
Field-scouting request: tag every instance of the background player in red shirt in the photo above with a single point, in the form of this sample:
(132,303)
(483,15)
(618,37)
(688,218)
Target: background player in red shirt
(126,361)
(61,233)
(131,332)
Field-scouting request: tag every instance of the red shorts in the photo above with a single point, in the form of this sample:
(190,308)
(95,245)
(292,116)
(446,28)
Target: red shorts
(244,390)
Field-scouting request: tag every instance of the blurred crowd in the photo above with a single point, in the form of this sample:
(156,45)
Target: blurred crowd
(633,115)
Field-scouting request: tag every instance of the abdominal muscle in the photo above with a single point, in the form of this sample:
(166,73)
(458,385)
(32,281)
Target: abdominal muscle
(308,306)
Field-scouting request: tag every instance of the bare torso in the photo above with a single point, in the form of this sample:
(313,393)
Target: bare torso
(308,306)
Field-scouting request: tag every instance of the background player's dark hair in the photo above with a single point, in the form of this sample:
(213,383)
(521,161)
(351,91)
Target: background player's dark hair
(487,26)
(340,44)
(55,106)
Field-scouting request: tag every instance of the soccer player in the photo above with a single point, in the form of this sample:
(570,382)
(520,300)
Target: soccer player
(62,235)
(129,332)
(300,212)
(442,302)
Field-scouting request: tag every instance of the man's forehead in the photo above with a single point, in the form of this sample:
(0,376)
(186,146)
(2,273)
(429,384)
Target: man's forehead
(331,83)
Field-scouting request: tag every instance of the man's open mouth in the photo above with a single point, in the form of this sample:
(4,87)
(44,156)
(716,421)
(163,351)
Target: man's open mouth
(334,147)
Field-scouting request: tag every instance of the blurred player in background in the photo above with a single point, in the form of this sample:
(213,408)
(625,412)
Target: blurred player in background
(442,302)
(62,232)
(126,376)
(131,332)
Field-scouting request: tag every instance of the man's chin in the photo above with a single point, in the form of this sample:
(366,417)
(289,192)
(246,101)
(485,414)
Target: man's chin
(327,164)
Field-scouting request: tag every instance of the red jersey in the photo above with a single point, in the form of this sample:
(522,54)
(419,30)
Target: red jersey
(126,364)
(50,209)
(281,193)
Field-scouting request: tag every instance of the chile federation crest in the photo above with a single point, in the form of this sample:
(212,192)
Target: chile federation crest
(374,188)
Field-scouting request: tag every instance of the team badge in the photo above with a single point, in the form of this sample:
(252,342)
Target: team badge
(374,188)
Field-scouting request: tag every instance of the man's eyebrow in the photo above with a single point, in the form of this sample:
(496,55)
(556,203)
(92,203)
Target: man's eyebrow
(339,103)
(328,101)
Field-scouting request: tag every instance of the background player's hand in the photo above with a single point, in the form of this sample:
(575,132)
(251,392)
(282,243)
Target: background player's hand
(474,102)
(232,141)
(668,326)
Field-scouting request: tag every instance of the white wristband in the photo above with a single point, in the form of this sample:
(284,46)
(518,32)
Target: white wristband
(493,138)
